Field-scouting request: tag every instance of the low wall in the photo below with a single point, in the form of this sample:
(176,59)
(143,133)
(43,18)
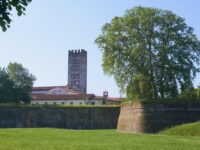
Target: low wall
(152,118)
(70,118)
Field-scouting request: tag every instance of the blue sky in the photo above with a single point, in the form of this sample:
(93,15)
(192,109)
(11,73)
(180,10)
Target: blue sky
(40,40)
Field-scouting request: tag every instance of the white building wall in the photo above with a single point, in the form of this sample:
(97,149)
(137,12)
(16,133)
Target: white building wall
(95,102)
(65,102)
(68,102)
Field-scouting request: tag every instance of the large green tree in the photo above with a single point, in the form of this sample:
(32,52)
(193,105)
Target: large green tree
(6,7)
(151,53)
(23,81)
(15,84)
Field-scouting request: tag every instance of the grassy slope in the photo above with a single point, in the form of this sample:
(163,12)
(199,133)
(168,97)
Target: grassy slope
(60,139)
(191,129)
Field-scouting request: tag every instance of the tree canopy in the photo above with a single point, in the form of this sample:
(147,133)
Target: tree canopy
(151,53)
(6,6)
(15,84)
(6,87)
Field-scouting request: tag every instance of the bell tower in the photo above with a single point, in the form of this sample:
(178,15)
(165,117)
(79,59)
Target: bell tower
(77,70)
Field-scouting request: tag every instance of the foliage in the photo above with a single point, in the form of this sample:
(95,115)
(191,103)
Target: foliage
(171,101)
(198,92)
(15,84)
(6,87)
(190,129)
(6,6)
(59,139)
(150,52)
(189,93)
(139,88)
(23,81)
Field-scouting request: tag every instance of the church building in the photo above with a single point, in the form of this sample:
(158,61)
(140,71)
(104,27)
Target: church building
(75,93)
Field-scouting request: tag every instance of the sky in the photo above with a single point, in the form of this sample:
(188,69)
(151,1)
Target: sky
(40,40)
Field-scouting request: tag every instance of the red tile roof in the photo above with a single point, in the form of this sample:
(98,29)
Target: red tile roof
(61,97)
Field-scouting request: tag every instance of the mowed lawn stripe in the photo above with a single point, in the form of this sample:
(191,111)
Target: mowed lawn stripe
(59,139)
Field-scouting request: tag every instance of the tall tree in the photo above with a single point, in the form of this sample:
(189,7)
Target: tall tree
(6,6)
(6,87)
(23,81)
(150,52)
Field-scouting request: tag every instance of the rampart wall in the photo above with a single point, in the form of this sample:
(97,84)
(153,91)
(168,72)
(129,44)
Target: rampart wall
(152,118)
(70,118)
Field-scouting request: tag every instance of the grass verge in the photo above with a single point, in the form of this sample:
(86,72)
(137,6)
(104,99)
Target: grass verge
(190,129)
(60,139)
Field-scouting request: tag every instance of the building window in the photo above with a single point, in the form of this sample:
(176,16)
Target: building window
(77,82)
(71,103)
(73,76)
(77,76)
(54,91)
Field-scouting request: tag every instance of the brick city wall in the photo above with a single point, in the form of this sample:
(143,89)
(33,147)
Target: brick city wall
(152,118)
(70,118)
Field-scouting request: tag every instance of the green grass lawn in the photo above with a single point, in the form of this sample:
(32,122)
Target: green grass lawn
(190,129)
(61,139)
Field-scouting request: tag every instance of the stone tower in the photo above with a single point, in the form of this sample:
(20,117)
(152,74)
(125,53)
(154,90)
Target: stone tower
(77,70)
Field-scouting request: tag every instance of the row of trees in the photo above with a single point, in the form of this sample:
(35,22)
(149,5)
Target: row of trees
(15,84)
(190,93)
(151,53)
